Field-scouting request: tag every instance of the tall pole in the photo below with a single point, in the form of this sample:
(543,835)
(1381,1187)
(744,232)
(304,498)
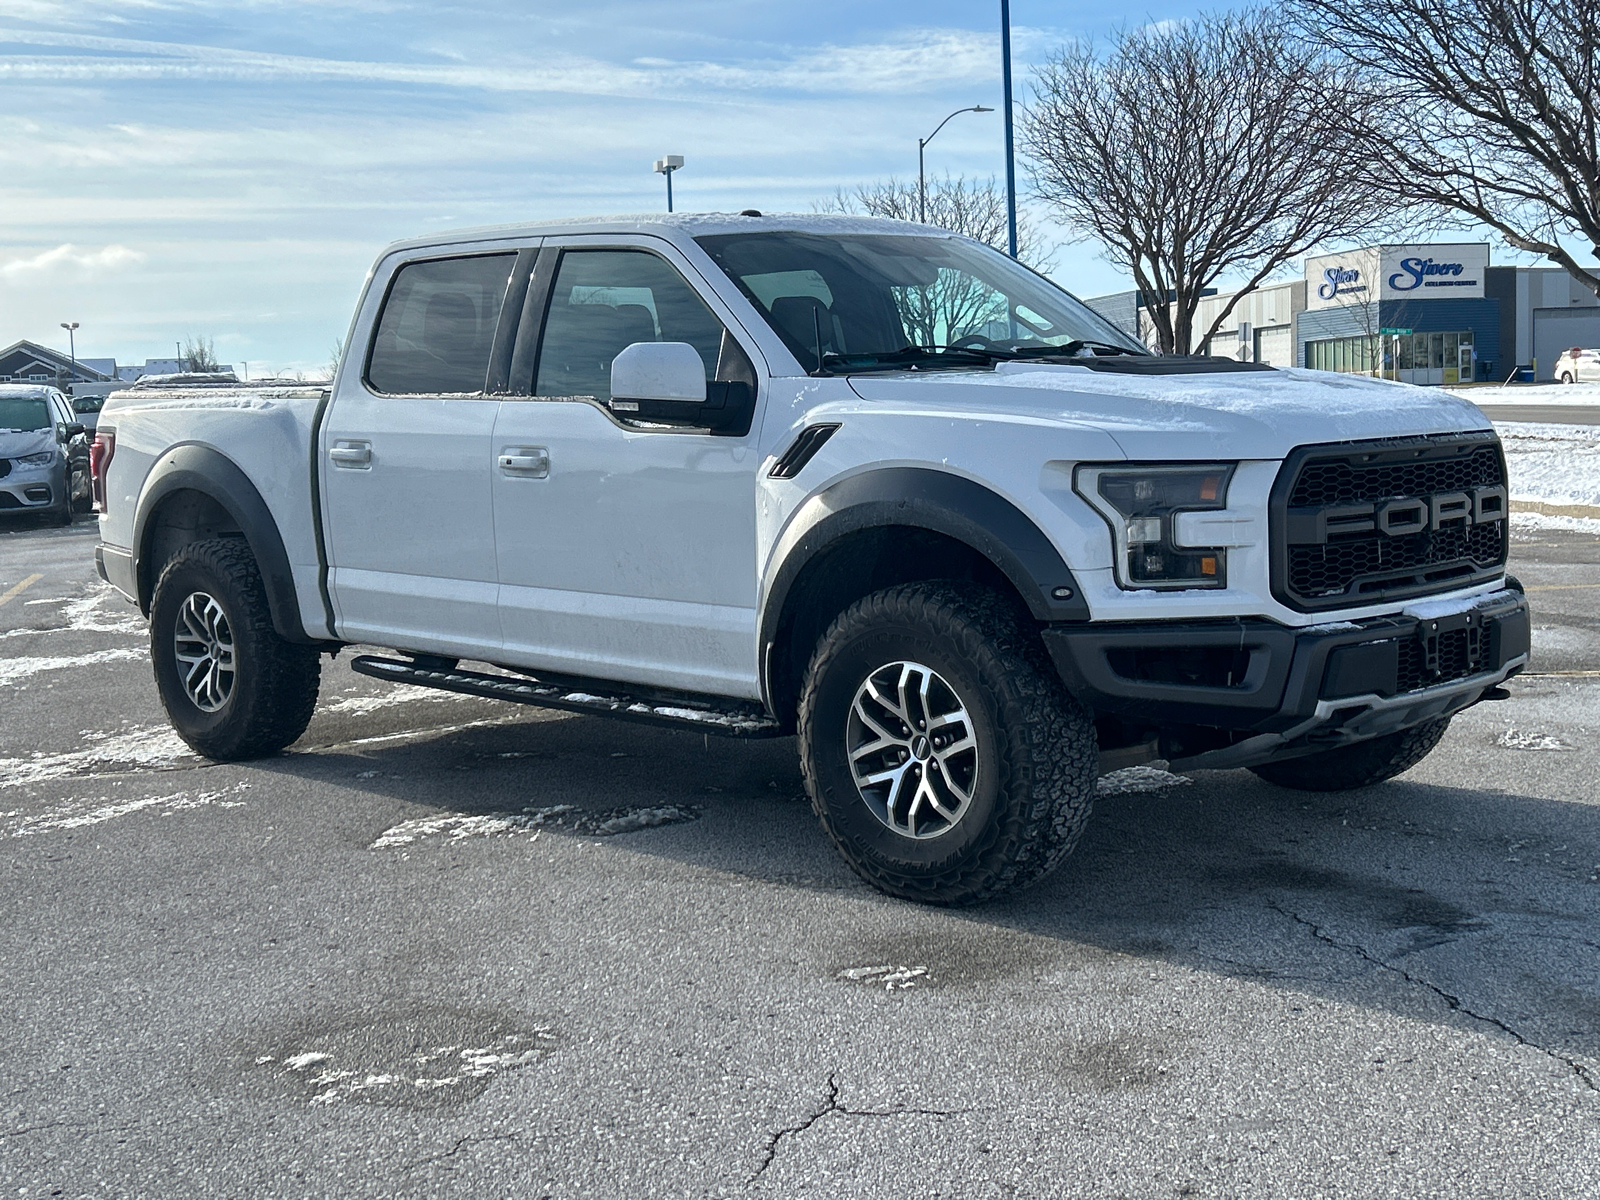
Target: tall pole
(669,190)
(72,346)
(1011,165)
(922,186)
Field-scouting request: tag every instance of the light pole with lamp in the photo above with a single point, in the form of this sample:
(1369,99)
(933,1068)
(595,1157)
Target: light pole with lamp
(922,186)
(666,166)
(72,346)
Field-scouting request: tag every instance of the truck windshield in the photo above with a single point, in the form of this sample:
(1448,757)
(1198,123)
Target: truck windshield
(890,301)
(23,414)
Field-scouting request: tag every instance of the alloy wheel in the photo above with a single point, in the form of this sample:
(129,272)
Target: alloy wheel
(913,750)
(203,644)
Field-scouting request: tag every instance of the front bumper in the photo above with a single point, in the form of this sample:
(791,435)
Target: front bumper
(1242,692)
(29,487)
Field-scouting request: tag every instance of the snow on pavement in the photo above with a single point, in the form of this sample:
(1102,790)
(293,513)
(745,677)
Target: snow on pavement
(1576,395)
(1553,464)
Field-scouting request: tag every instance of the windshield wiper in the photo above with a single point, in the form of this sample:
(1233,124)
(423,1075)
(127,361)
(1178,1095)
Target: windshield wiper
(908,358)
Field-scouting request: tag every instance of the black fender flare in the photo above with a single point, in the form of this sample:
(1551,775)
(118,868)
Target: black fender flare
(921,498)
(197,467)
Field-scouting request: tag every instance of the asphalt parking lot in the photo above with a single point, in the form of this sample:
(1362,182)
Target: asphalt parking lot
(446,946)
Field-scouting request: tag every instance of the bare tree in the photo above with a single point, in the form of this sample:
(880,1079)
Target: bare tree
(1490,109)
(976,208)
(335,356)
(957,303)
(198,354)
(1195,150)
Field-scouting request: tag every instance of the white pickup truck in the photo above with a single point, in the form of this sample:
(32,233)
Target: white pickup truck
(863,481)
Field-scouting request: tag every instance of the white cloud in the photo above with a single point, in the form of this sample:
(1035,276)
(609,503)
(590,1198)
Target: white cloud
(68,259)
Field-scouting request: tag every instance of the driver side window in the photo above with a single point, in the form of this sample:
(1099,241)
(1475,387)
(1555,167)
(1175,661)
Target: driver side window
(606,300)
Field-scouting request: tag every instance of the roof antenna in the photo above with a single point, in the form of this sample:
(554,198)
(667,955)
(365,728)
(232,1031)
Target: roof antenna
(816,331)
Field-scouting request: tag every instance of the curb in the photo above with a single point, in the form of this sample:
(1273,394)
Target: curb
(1556,510)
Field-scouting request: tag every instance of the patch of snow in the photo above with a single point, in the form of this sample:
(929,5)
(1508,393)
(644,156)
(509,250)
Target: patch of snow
(1519,739)
(447,1066)
(153,749)
(642,818)
(1533,522)
(13,670)
(402,693)
(893,978)
(1331,627)
(1553,464)
(77,814)
(458,827)
(1139,779)
(1575,394)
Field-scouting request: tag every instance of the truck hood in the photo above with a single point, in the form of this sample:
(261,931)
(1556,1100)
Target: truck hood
(1248,414)
(14,444)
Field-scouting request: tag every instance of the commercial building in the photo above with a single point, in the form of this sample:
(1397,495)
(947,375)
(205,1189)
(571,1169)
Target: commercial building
(1427,313)
(29,362)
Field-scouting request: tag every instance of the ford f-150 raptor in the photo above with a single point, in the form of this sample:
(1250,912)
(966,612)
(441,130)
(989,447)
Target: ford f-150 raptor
(862,481)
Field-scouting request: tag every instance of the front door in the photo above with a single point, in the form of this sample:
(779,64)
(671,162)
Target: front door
(406,458)
(626,552)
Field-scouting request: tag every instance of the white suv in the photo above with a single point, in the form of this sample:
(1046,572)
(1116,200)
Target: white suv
(1578,366)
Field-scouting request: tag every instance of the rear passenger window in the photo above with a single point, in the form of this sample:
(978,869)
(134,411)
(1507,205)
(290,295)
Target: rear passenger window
(437,325)
(606,300)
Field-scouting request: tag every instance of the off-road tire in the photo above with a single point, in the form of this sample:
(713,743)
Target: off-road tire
(1038,757)
(1357,766)
(274,687)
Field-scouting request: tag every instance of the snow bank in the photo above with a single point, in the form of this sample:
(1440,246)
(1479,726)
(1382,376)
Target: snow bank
(1576,395)
(1554,464)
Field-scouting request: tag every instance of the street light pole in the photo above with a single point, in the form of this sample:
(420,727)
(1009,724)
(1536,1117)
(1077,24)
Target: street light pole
(922,186)
(666,166)
(72,345)
(1011,165)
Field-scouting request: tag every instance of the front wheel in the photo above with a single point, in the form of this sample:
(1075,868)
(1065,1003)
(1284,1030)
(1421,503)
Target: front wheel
(942,755)
(1359,765)
(1566,377)
(231,686)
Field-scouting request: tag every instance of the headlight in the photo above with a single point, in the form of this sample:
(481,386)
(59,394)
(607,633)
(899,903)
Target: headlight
(43,459)
(1142,504)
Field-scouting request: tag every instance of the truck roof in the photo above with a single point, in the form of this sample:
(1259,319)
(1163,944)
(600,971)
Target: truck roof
(676,227)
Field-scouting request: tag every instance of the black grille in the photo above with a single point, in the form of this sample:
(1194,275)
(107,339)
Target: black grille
(1322,483)
(1368,521)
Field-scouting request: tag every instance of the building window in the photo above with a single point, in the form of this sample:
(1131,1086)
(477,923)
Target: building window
(1385,355)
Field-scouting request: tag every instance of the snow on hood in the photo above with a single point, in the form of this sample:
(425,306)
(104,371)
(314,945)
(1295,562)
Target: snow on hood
(15,445)
(1248,414)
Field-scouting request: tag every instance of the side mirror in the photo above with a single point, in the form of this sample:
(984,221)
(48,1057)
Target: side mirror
(670,371)
(68,432)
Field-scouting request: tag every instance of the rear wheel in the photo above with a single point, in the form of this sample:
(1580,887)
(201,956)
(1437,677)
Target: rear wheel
(1359,765)
(943,756)
(1566,377)
(231,686)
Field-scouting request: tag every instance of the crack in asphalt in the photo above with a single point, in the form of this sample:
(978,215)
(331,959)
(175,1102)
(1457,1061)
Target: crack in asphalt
(85,1125)
(470,1139)
(1455,1003)
(832,1105)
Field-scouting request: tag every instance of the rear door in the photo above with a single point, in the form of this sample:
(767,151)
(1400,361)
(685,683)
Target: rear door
(626,551)
(406,457)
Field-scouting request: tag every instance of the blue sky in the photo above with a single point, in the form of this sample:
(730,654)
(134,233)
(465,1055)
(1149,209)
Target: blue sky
(231,170)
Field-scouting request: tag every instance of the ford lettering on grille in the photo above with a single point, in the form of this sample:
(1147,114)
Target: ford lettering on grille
(1369,521)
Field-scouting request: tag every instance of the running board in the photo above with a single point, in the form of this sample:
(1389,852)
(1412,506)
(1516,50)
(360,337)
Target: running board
(730,719)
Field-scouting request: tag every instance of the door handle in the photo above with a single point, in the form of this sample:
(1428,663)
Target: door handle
(532,462)
(351,454)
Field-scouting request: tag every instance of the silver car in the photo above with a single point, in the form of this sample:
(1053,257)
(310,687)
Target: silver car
(44,456)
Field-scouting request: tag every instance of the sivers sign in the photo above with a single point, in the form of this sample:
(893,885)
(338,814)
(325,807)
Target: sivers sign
(1422,272)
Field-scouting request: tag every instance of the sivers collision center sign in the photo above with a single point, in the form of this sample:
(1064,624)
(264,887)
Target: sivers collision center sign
(1414,273)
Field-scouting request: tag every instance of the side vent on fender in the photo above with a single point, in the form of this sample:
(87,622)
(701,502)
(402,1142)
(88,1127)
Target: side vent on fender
(795,458)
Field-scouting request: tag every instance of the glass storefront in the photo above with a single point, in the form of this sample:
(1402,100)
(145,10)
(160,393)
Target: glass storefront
(1411,358)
